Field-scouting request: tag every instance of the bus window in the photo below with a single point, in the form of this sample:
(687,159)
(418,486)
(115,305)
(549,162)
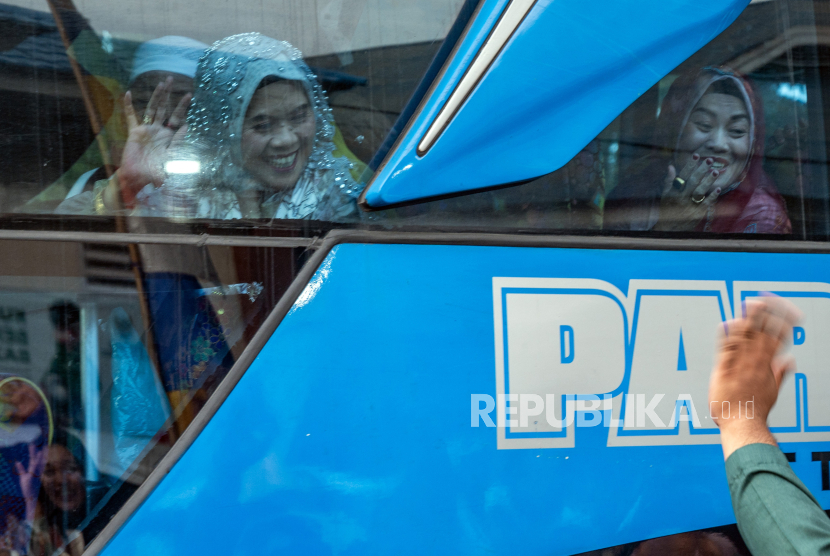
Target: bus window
(102,368)
(732,141)
(283,113)
(280,107)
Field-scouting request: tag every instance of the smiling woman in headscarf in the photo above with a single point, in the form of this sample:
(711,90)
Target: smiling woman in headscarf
(706,173)
(271,129)
(258,142)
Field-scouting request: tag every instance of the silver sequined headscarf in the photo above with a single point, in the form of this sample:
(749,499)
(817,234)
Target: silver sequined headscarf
(229,73)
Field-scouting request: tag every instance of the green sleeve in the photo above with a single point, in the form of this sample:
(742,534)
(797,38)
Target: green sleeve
(776,514)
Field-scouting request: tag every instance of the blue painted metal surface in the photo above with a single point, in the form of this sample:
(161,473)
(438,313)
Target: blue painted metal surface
(570,69)
(350,433)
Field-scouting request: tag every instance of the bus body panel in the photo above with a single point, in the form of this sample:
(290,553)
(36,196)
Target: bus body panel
(356,430)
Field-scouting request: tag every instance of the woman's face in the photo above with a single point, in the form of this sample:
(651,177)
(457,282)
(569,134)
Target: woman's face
(718,128)
(63,479)
(278,134)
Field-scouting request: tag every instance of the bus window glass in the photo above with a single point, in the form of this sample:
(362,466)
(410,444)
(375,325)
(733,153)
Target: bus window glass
(733,141)
(282,112)
(241,111)
(102,369)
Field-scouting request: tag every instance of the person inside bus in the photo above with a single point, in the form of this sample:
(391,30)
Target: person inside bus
(706,171)
(157,60)
(170,57)
(153,62)
(258,143)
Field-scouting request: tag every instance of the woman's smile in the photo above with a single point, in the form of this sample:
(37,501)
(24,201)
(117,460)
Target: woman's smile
(284,163)
(719,163)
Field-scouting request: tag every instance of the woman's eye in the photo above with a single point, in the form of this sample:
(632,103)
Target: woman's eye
(737,132)
(262,127)
(703,126)
(299,117)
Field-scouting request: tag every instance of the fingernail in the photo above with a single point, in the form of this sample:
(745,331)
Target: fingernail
(695,156)
(717,191)
(715,173)
(709,161)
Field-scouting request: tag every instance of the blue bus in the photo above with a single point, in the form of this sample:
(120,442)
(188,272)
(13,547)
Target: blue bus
(379,277)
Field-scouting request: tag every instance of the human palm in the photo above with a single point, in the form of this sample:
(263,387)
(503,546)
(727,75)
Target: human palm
(150,141)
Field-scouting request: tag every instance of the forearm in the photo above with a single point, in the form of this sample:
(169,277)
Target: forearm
(736,435)
(775,512)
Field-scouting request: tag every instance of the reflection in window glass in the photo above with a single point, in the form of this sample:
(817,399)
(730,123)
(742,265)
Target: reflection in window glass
(102,369)
(289,102)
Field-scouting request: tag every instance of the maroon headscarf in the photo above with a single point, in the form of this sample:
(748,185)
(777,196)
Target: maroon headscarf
(751,204)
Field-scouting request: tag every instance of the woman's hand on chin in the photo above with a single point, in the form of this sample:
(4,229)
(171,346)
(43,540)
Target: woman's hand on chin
(687,196)
(149,142)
